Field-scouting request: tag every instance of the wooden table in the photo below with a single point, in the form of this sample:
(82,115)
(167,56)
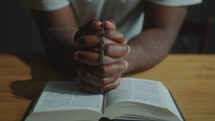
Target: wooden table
(191,79)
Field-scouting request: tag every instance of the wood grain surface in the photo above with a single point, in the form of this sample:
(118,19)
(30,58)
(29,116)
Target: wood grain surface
(191,79)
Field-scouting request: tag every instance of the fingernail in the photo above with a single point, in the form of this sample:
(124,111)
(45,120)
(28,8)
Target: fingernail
(126,65)
(126,40)
(129,49)
(118,49)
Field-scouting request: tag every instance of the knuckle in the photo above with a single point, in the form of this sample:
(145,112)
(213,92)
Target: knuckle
(103,71)
(116,84)
(112,86)
(121,67)
(106,60)
(82,40)
(108,32)
(103,82)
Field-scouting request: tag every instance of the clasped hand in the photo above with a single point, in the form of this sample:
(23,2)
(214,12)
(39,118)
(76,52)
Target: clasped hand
(95,77)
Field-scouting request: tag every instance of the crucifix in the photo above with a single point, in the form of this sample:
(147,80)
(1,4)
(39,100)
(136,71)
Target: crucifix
(101,47)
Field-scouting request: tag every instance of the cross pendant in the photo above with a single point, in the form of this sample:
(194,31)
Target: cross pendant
(101,50)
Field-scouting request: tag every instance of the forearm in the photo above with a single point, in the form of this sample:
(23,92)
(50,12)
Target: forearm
(161,27)
(148,49)
(57,29)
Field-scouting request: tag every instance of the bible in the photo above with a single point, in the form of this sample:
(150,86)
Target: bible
(134,99)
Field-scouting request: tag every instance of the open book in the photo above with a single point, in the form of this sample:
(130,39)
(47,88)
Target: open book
(134,99)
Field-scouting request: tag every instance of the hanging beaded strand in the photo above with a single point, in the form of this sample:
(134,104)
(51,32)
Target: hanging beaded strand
(101,48)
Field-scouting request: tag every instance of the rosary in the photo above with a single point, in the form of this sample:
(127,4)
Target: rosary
(102,47)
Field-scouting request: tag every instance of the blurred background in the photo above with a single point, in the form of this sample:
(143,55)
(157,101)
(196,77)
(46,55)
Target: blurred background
(18,32)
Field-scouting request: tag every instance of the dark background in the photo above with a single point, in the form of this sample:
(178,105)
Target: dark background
(18,32)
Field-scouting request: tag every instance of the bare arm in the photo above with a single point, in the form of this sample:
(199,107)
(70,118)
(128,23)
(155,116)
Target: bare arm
(159,33)
(57,29)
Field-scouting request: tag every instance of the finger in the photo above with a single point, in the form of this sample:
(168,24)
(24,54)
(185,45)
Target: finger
(92,25)
(111,70)
(114,35)
(91,58)
(95,26)
(112,85)
(109,24)
(88,29)
(94,80)
(88,88)
(117,50)
(94,89)
(91,41)
(87,41)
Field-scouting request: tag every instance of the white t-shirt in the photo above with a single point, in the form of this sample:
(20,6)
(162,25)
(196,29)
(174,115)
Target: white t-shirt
(127,14)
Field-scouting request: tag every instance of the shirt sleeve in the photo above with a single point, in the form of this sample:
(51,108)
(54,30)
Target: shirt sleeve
(45,5)
(176,2)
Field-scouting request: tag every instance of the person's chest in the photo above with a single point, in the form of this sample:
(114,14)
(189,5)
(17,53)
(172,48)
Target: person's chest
(107,9)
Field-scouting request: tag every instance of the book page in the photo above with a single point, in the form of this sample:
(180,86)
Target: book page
(66,96)
(171,105)
(138,90)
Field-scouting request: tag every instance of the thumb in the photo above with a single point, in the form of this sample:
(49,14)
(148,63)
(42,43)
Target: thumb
(110,24)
